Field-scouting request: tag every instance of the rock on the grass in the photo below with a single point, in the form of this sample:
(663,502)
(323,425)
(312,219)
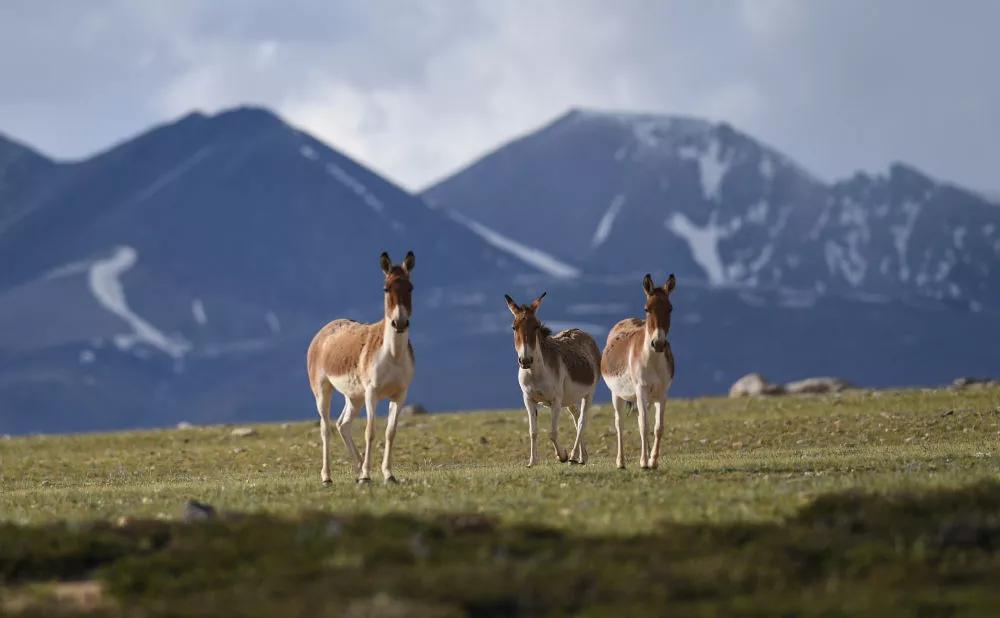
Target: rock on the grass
(184,425)
(817,385)
(413,409)
(967,381)
(243,432)
(195,511)
(753,385)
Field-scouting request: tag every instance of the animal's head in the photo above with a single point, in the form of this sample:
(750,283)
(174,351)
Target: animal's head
(398,290)
(658,310)
(527,329)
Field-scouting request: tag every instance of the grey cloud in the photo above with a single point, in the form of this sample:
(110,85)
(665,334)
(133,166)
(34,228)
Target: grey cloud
(418,89)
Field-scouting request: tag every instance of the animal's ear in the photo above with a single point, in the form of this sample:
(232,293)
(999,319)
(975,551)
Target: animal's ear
(385,262)
(512,305)
(670,284)
(647,284)
(409,262)
(535,304)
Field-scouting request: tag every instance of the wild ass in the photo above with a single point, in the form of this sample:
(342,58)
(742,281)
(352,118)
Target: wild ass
(555,370)
(366,363)
(638,366)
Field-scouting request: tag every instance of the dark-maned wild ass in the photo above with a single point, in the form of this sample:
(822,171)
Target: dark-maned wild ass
(638,366)
(366,363)
(555,370)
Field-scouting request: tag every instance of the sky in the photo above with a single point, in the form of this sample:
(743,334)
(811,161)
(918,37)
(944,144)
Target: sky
(417,90)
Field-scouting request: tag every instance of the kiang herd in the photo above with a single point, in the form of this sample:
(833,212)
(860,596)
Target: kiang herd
(367,363)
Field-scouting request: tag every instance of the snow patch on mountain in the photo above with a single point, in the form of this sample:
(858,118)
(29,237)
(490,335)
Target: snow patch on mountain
(766,168)
(958,236)
(308,152)
(901,236)
(757,213)
(711,166)
(198,312)
(704,243)
(273,322)
(604,225)
(847,261)
(106,286)
(535,257)
(355,185)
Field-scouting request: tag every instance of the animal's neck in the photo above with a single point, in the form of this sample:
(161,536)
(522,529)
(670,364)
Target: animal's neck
(541,345)
(393,343)
(648,335)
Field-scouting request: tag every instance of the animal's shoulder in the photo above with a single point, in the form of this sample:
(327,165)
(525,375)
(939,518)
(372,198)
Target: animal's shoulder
(625,328)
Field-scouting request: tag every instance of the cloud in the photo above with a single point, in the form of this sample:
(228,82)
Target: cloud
(417,90)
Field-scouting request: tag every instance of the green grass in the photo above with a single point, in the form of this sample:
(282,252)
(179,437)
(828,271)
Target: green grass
(866,501)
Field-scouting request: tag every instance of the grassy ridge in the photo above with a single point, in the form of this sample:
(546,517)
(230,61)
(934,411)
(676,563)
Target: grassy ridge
(883,502)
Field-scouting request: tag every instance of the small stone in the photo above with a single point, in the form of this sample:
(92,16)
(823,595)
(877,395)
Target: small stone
(754,385)
(813,386)
(483,440)
(243,432)
(196,511)
(184,425)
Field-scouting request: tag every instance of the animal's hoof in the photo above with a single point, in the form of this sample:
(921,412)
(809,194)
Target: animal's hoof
(364,481)
(391,480)
(327,482)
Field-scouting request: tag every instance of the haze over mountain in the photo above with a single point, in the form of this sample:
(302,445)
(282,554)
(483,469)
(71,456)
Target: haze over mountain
(612,193)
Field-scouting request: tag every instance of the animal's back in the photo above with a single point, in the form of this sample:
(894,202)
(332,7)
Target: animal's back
(580,355)
(338,347)
(614,361)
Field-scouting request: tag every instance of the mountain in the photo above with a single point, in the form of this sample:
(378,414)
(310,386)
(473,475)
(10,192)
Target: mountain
(180,275)
(612,193)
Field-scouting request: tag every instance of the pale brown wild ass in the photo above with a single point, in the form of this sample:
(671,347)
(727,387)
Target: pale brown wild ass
(555,370)
(638,366)
(366,363)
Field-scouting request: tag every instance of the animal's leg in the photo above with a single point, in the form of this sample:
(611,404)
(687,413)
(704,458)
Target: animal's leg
(579,450)
(532,409)
(323,407)
(344,428)
(574,453)
(390,435)
(554,431)
(366,463)
(618,403)
(654,457)
(640,406)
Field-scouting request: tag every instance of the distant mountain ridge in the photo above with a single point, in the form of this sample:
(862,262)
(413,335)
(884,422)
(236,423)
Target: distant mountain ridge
(187,269)
(621,192)
(180,275)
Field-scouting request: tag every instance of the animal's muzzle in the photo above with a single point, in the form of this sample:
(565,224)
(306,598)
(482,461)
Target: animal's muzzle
(525,362)
(400,325)
(658,346)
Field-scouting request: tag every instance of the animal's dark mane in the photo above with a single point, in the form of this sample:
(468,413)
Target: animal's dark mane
(544,330)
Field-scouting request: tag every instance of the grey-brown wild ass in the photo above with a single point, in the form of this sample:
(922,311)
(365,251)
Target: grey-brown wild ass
(366,363)
(638,366)
(555,370)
